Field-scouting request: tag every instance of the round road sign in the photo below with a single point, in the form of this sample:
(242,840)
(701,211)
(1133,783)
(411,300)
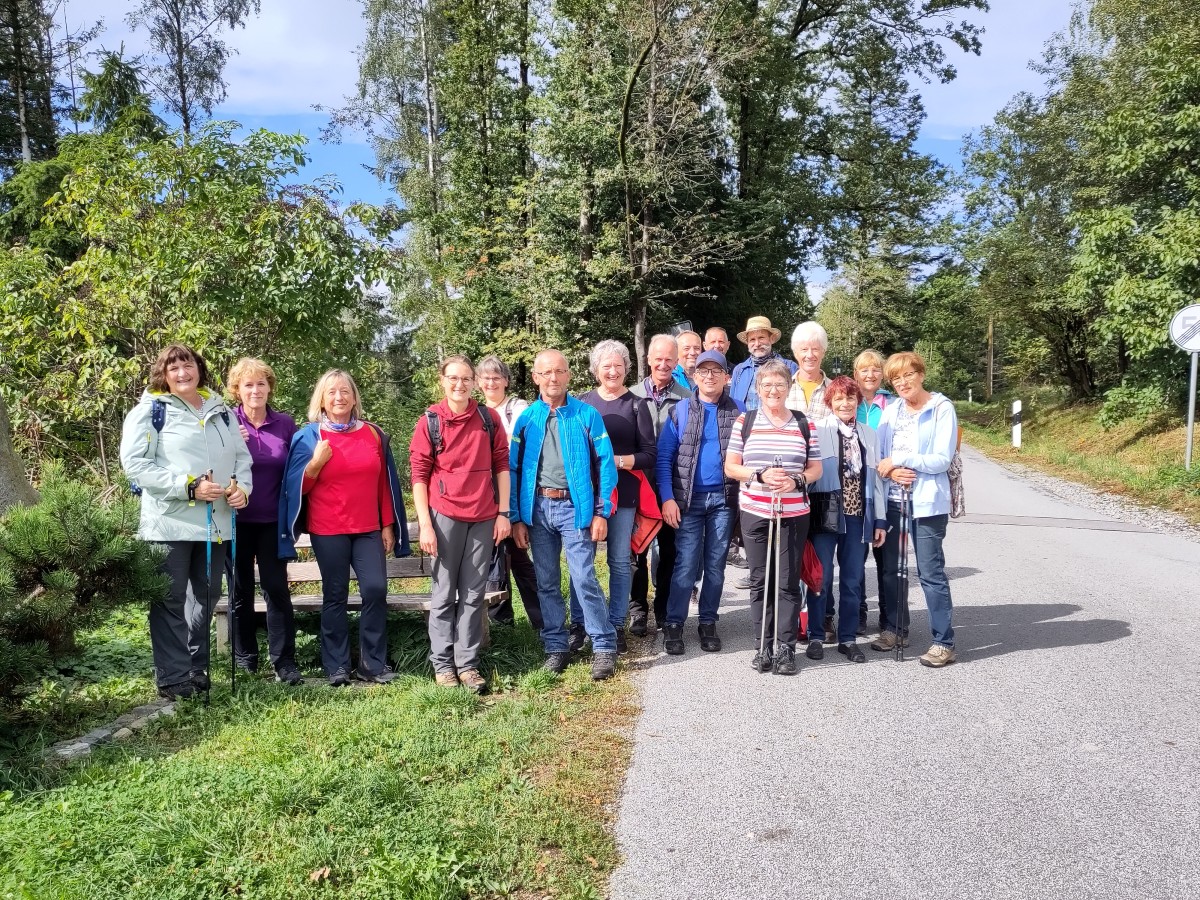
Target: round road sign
(1185,328)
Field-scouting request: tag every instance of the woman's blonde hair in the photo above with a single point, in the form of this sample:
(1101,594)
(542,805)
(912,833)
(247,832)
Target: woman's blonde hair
(868,357)
(249,368)
(898,362)
(314,405)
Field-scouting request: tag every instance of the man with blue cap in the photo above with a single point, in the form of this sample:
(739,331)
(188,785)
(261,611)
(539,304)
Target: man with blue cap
(697,499)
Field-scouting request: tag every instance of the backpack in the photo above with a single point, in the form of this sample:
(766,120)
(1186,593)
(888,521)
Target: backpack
(158,418)
(800,418)
(433,425)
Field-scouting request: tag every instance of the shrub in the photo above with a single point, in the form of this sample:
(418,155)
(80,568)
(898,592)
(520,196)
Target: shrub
(64,564)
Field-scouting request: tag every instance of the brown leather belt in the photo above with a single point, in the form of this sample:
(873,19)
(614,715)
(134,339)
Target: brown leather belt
(553,493)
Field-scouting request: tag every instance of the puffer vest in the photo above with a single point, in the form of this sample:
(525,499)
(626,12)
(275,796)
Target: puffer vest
(683,475)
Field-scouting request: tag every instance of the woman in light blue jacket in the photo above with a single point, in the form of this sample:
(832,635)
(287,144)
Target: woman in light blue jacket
(917,439)
(182,447)
(851,486)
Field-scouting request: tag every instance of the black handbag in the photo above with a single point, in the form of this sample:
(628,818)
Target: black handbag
(825,512)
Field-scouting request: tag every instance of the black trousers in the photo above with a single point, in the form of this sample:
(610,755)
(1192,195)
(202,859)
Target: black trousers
(639,590)
(793,534)
(336,555)
(259,542)
(509,558)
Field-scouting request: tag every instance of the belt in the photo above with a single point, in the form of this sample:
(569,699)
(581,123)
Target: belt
(553,493)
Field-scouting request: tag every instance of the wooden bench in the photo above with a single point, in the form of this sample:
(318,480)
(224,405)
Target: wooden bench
(307,571)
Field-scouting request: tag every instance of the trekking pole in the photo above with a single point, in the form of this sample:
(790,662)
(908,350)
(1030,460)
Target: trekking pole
(902,574)
(208,607)
(764,663)
(777,515)
(233,591)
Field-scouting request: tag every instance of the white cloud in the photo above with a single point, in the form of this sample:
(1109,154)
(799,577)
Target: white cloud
(296,53)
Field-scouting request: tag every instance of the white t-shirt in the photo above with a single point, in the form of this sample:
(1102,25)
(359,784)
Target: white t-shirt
(509,411)
(904,440)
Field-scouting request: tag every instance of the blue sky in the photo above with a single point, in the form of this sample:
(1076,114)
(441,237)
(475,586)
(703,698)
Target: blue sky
(301,53)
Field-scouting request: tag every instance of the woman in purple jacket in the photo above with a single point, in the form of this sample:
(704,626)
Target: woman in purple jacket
(268,434)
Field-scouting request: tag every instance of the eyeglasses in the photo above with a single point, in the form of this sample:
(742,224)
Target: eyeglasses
(707,372)
(555,373)
(906,377)
(459,379)
(773,387)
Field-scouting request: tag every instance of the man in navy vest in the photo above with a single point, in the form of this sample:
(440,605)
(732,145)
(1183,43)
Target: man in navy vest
(698,500)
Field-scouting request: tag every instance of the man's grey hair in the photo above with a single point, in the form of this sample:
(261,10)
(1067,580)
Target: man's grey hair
(667,338)
(607,348)
(810,331)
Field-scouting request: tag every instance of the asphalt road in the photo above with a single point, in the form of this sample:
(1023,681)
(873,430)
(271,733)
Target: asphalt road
(1060,757)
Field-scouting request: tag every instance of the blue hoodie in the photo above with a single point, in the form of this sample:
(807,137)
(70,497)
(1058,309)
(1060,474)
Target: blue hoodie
(581,430)
(937,439)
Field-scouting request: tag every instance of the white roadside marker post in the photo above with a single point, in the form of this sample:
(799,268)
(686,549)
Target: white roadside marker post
(1016,424)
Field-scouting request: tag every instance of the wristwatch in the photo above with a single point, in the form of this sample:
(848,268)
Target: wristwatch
(758,475)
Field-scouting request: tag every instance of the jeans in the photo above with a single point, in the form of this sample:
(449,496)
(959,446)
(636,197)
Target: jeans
(179,624)
(852,560)
(793,531)
(620,569)
(336,554)
(553,531)
(259,542)
(702,537)
(927,536)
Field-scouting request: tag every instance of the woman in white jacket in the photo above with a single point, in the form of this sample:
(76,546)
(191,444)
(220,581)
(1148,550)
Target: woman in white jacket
(182,448)
(917,440)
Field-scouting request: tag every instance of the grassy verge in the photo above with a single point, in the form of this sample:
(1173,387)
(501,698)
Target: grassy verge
(1141,460)
(408,790)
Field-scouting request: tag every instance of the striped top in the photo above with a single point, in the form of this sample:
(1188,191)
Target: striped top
(765,443)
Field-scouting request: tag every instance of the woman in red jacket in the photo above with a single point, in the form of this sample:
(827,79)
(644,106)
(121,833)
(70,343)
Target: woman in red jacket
(459,459)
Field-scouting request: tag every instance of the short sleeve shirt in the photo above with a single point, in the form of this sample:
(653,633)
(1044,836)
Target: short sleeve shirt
(765,447)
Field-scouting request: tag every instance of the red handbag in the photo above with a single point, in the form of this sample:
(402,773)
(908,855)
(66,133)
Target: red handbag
(811,571)
(647,522)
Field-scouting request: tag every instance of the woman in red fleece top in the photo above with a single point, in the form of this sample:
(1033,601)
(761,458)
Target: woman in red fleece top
(465,481)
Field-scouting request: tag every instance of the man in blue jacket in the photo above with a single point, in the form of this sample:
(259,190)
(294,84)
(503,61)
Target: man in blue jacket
(563,476)
(759,338)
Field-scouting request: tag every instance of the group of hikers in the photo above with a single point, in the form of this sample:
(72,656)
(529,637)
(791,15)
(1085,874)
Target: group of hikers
(673,474)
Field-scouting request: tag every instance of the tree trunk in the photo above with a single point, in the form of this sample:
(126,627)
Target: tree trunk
(14,486)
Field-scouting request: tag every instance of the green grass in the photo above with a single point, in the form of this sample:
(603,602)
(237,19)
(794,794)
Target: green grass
(1139,459)
(408,790)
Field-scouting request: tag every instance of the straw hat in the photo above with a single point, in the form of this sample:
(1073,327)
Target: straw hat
(759,323)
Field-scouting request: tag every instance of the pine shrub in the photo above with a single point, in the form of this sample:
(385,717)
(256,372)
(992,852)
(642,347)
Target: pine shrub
(64,563)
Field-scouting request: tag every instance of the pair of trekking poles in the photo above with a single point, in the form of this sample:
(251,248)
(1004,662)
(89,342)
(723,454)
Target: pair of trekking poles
(232,591)
(775,544)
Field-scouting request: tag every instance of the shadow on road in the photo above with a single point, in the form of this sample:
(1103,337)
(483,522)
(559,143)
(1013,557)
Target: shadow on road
(985,631)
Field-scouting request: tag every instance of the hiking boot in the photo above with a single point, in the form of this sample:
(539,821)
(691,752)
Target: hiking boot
(735,558)
(937,656)
(604,665)
(762,661)
(289,674)
(340,678)
(709,642)
(637,625)
(472,681)
(673,640)
(248,664)
(785,660)
(446,679)
(200,681)
(852,652)
(558,662)
(179,691)
(387,676)
(742,584)
(830,631)
(622,642)
(815,649)
(887,640)
(578,637)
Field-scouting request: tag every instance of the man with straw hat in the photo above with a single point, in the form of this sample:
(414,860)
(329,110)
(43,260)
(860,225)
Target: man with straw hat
(759,337)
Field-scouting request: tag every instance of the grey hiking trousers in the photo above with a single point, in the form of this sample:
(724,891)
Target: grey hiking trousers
(179,625)
(458,611)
